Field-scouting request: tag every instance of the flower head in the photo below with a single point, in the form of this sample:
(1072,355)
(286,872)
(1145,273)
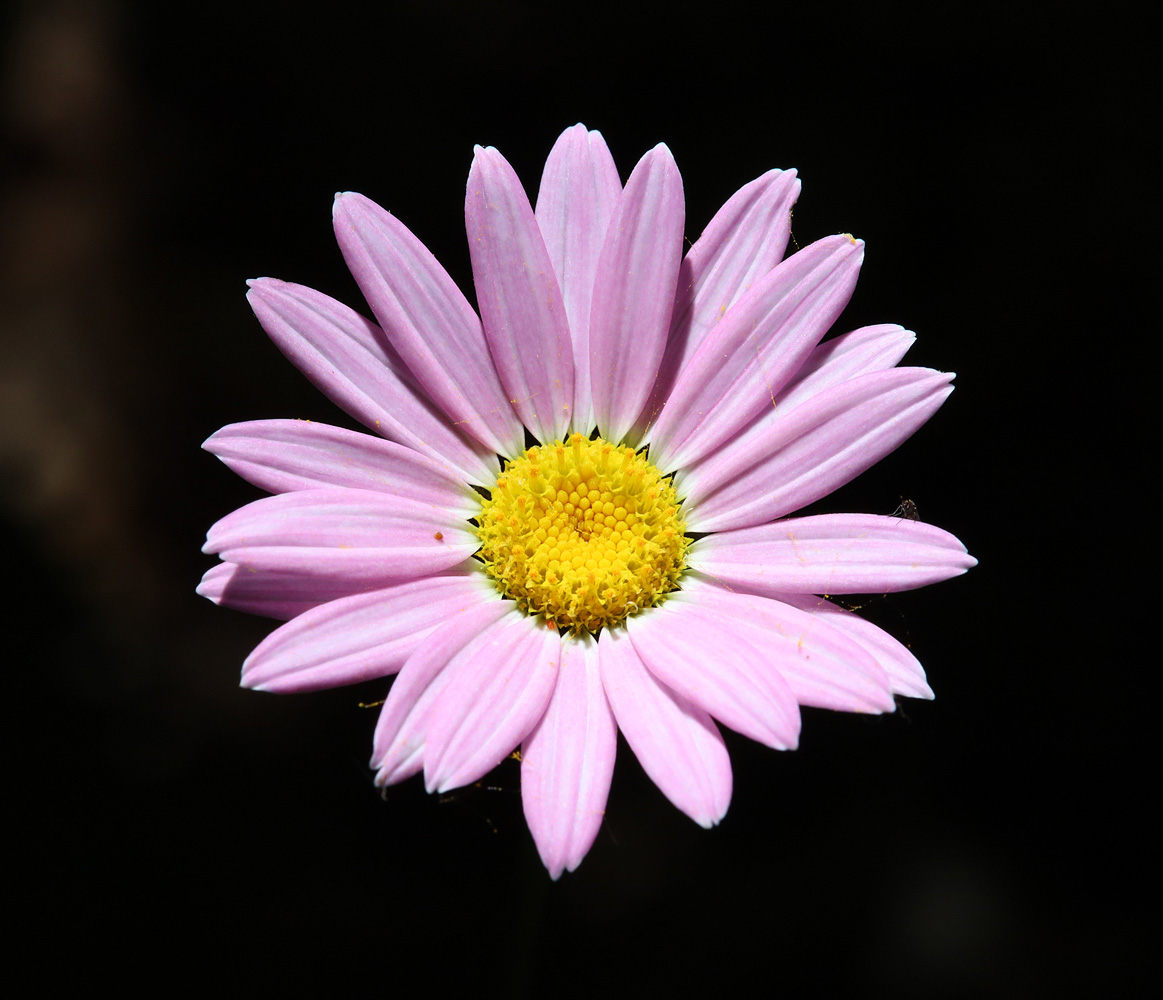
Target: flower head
(635,568)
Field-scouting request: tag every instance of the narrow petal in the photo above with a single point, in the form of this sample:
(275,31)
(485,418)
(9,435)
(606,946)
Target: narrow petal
(745,240)
(492,702)
(676,742)
(284,455)
(790,461)
(353,535)
(428,321)
(567,761)
(634,292)
(858,352)
(361,637)
(273,595)
(350,360)
(579,194)
(824,666)
(831,554)
(755,350)
(517,293)
(700,655)
(905,673)
(398,745)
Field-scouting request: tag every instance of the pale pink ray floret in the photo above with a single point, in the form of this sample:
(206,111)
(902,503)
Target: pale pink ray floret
(591,319)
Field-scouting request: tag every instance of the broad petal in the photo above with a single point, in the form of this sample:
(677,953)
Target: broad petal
(273,595)
(567,761)
(492,702)
(676,742)
(284,455)
(428,321)
(519,299)
(745,240)
(361,637)
(349,359)
(831,554)
(759,345)
(824,666)
(905,673)
(579,194)
(858,352)
(701,656)
(794,459)
(634,292)
(353,535)
(398,745)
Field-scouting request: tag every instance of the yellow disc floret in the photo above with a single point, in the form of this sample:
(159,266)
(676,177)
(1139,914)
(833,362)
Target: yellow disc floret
(583,532)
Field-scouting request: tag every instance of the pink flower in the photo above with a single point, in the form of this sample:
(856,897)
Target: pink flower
(636,569)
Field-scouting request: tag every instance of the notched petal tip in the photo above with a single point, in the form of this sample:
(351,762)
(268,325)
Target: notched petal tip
(259,288)
(209,589)
(346,201)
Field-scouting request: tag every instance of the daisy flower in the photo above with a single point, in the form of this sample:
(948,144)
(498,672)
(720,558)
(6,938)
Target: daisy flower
(571,517)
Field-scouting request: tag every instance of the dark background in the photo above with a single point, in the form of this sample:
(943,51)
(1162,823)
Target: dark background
(174,829)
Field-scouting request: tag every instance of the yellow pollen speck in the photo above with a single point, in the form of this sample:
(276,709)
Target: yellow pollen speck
(581,536)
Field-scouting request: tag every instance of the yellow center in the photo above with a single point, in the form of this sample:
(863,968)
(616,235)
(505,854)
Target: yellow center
(585,533)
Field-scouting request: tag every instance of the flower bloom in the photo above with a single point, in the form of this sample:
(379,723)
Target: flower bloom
(635,568)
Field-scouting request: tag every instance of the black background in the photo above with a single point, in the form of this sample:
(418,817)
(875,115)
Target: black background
(175,830)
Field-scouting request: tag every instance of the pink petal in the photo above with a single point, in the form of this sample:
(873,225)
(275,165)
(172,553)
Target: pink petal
(284,455)
(353,535)
(858,352)
(567,761)
(363,636)
(677,743)
(428,321)
(744,241)
(398,745)
(521,305)
(350,360)
(905,673)
(824,666)
(580,191)
(787,461)
(492,702)
(634,292)
(274,595)
(698,654)
(755,350)
(831,554)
